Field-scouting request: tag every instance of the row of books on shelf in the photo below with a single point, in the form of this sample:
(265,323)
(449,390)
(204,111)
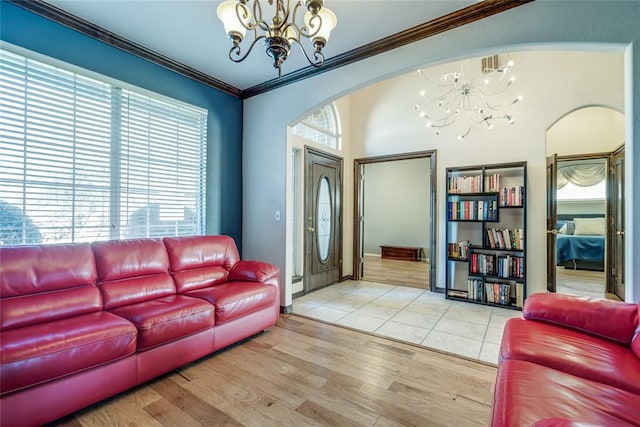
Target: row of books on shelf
(498,293)
(472,210)
(474,184)
(465,184)
(492,183)
(504,238)
(459,250)
(506,266)
(511,196)
(510,266)
(491,292)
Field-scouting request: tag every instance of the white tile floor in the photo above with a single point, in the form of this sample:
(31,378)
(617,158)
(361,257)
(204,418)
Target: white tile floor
(412,315)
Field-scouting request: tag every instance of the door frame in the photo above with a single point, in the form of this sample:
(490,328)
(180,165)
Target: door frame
(552,215)
(612,229)
(358,206)
(606,156)
(339,223)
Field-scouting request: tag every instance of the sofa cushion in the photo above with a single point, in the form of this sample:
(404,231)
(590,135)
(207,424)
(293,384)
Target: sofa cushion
(200,261)
(198,278)
(585,314)
(46,351)
(121,259)
(560,422)
(235,299)
(255,271)
(165,319)
(526,393)
(45,283)
(571,351)
(132,271)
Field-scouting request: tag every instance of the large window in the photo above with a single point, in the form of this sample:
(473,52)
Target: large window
(84,160)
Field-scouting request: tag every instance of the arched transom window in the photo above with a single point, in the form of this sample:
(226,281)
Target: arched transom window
(322,126)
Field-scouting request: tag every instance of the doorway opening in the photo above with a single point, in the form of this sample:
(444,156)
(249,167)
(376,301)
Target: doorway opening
(581,242)
(585,211)
(394,232)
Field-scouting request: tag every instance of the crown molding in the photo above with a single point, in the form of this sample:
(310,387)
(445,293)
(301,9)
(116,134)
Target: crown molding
(69,20)
(439,25)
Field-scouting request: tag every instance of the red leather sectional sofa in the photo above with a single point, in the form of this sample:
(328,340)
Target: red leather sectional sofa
(571,361)
(82,322)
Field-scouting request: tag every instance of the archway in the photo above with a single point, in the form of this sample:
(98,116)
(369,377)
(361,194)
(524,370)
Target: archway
(586,261)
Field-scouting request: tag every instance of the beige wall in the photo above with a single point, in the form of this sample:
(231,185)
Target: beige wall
(588,130)
(602,26)
(383,121)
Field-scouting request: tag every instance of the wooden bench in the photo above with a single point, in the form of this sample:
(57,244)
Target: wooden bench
(404,253)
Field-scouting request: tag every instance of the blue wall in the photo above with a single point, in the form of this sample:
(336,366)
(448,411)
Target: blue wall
(224,161)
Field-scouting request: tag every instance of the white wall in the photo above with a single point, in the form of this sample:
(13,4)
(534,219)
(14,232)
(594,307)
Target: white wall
(590,129)
(580,207)
(396,204)
(297,143)
(383,121)
(595,25)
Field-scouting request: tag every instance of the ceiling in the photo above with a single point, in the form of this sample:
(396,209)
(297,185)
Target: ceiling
(189,32)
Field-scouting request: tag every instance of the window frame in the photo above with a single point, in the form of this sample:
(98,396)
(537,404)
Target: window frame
(330,110)
(116,223)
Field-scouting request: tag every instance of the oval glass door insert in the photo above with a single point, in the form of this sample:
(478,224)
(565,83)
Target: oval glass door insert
(325,221)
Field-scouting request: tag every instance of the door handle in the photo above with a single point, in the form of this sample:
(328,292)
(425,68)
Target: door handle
(311,229)
(620,233)
(554,231)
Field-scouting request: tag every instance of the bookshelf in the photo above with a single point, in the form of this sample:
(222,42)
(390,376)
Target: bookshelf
(486,234)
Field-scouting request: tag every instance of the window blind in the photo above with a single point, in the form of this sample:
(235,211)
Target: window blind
(83,160)
(162,173)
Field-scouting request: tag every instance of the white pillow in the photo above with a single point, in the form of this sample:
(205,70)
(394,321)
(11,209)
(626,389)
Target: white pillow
(589,226)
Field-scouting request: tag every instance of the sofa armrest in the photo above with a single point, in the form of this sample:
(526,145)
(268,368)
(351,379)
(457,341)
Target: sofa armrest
(613,320)
(253,271)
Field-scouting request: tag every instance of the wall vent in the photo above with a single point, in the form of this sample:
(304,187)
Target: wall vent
(490,63)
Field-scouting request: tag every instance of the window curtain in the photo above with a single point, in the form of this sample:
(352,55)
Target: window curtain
(582,175)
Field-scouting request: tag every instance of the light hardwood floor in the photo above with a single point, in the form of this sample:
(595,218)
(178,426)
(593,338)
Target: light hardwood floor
(396,272)
(582,282)
(307,373)
(416,274)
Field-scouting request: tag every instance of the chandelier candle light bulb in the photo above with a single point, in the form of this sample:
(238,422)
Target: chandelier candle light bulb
(454,96)
(239,17)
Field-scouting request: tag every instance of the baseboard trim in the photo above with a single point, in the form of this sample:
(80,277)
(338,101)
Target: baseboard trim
(286,309)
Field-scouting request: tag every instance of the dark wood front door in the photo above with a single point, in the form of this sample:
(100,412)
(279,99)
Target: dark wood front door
(616,266)
(323,219)
(552,178)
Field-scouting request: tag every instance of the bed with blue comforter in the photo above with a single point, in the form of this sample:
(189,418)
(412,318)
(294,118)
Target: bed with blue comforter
(582,252)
